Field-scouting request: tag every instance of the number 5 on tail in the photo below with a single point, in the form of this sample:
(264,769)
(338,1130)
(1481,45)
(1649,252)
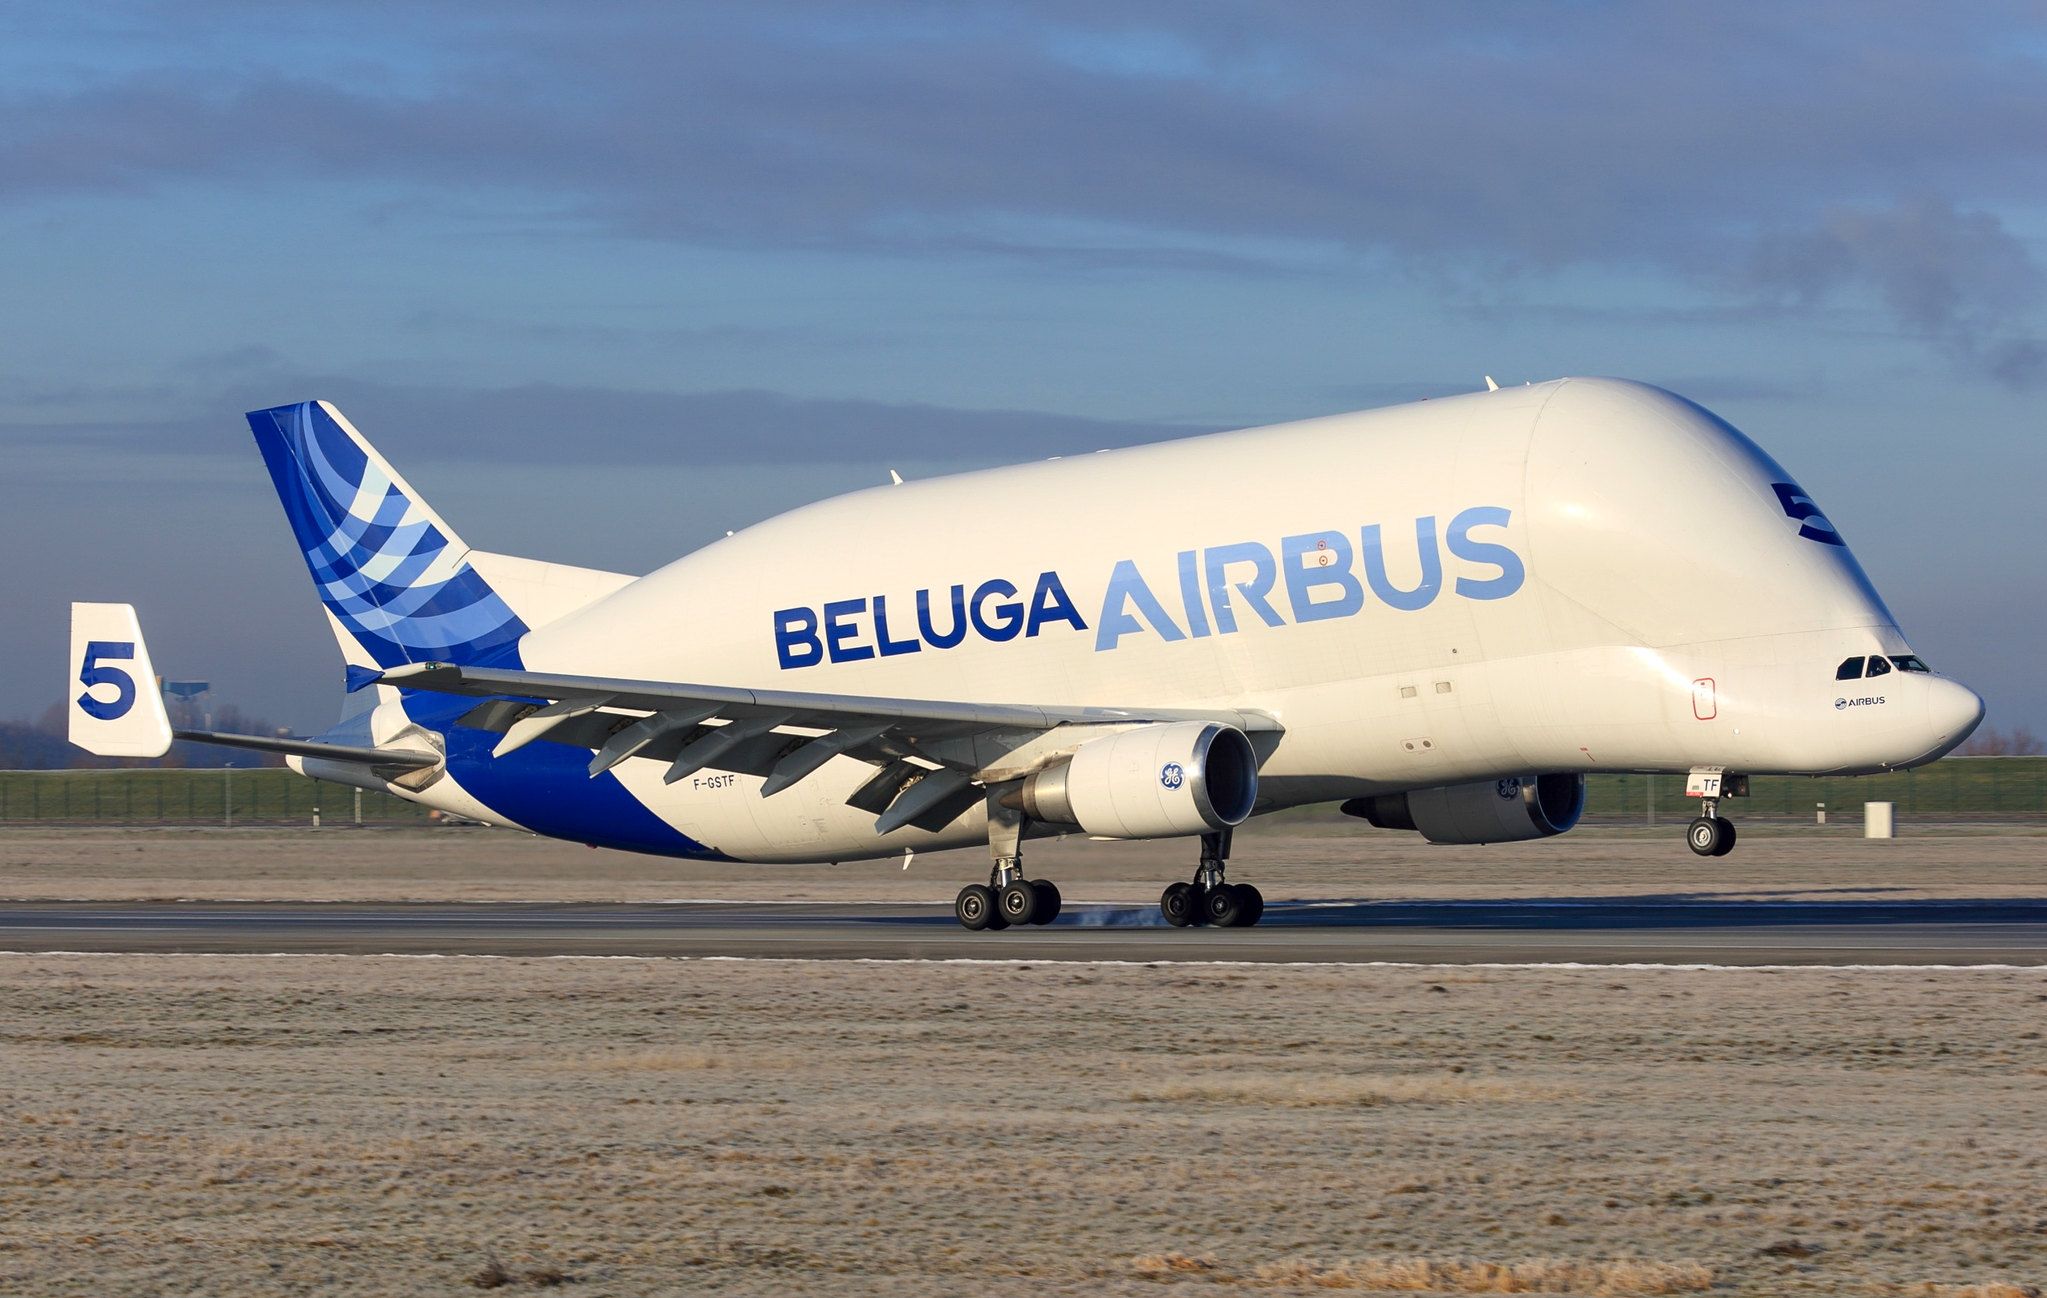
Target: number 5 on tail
(119,711)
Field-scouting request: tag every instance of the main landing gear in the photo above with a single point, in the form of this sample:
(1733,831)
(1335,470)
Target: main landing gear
(1007,898)
(1003,901)
(1209,899)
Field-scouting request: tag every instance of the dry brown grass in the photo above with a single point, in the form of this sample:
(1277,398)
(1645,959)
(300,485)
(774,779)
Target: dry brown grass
(1333,857)
(1173,1266)
(378,1128)
(658,1059)
(1618,1276)
(1290,1091)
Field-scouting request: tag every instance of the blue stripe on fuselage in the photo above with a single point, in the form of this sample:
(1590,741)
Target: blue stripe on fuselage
(547,787)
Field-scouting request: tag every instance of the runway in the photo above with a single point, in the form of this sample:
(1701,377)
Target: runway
(1657,929)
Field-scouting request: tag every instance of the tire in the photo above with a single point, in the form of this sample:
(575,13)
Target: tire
(1176,903)
(1048,902)
(1254,905)
(974,908)
(1224,907)
(1726,843)
(1702,836)
(1017,903)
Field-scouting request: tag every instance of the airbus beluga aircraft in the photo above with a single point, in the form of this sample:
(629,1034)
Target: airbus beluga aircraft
(1442,615)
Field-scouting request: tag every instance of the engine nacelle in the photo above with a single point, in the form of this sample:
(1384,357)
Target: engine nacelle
(1159,781)
(1492,811)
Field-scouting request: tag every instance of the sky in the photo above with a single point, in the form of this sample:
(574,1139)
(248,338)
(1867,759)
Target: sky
(605,281)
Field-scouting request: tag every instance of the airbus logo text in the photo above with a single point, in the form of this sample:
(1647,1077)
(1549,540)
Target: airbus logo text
(1311,577)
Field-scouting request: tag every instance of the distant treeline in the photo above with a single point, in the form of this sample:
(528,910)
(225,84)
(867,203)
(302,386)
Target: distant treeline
(40,745)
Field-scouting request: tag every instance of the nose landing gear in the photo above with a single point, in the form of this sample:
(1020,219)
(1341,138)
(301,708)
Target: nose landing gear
(1711,834)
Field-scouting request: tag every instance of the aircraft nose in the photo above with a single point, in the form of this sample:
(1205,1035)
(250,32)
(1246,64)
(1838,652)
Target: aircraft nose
(1953,710)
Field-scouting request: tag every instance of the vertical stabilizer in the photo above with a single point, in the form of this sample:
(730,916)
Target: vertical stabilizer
(116,706)
(395,578)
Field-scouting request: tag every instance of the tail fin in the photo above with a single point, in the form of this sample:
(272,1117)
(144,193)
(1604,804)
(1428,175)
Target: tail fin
(119,711)
(395,577)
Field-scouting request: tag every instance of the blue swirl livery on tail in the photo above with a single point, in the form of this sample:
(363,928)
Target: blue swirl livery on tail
(394,576)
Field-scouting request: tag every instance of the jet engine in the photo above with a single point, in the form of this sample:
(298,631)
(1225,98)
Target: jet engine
(1157,781)
(1490,811)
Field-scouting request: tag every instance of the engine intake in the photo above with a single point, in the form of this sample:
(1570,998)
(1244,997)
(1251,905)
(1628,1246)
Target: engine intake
(1158,781)
(1491,811)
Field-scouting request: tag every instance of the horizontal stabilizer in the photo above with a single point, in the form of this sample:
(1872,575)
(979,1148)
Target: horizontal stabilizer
(409,758)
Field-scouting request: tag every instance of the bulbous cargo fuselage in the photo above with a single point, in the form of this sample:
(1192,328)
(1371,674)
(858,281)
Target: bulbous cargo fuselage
(1585,575)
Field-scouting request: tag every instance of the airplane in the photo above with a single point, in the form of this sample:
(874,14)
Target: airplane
(1440,615)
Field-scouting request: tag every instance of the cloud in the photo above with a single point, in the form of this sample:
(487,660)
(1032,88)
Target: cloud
(550,424)
(1959,279)
(1157,137)
(1585,134)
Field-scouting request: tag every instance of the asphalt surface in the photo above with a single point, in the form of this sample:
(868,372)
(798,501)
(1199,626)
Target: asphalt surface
(1661,929)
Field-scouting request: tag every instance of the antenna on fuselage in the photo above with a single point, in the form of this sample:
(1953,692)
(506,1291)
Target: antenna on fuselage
(1491,386)
(895,478)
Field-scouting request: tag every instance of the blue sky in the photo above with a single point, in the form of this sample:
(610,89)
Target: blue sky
(605,281)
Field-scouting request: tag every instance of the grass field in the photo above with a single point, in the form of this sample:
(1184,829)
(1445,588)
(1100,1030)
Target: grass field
(159,796)
(375,1126)
(1957,788)
(378,1126)
(1954,788)
(1290,857)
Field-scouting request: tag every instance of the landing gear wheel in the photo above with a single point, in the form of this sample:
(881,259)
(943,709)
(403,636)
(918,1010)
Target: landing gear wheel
(974,908)
(1177,904)
(1048,902)
(1710,836)
(1701,837)
(1224,906)
(1018,902)
(1254,904)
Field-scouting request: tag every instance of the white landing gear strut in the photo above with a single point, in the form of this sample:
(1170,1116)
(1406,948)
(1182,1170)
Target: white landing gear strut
(1007,898)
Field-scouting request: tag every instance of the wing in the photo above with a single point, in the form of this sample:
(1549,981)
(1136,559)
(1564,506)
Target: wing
(933,758)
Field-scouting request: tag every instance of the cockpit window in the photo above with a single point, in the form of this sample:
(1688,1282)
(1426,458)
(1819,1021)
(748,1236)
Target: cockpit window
(1879,665)
(1909,663)
(1849,671)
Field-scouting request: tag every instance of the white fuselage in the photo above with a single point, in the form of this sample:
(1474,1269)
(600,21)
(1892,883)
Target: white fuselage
(1580,576)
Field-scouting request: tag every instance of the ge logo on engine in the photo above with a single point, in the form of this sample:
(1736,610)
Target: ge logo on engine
(1172,776)
(1509,788)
